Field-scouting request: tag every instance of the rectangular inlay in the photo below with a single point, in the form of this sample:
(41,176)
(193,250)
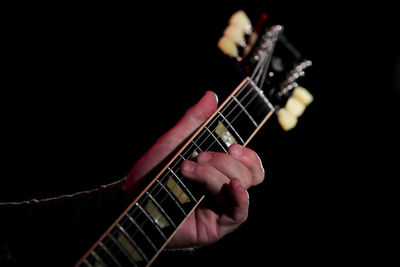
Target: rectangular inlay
(156,215)
(123,241)
(177,191)
(225,135)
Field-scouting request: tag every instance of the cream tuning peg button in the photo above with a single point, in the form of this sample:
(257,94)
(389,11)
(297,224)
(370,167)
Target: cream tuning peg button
(303,95)
(286,119)
(295,106)
(240,18)
(228,47)
(236,34)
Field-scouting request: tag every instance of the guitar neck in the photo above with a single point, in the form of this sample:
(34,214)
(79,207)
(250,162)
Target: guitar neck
(146,226)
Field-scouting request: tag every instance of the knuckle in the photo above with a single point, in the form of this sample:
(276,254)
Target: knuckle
(253,157)
(248,179)
(204,171)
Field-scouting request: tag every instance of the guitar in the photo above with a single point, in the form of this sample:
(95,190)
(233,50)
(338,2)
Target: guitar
(141,232)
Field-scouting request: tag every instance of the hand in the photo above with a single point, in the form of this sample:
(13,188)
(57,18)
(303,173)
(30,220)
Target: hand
(225,176)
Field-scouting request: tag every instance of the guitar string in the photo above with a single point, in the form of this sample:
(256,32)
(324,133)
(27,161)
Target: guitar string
(264,73)
(267,62)
(201,134)
(256,70)
(172,167)
(223,110)
(214,120)
(134,214)
(262,69)
(124,220)
(188,150)
(217,117)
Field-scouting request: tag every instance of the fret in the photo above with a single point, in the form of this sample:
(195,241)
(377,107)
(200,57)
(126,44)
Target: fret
(147,226)
(140,239)
(170,204)
(141,230)
(107,260)
(208,142)
(127,258)
(255,102)
(247,90)
(245,111)
(151,220)
(261,94)
(194,153)
(216,139)
(87,263)
(225,135)
(230,126)
(193,142)
(131,246)
(177,191)
(172,196)
(158,217)
(98,259)
(183,185)
(110,254)
(90,260)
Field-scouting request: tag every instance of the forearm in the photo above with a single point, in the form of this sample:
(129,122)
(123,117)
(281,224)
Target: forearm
(63,227)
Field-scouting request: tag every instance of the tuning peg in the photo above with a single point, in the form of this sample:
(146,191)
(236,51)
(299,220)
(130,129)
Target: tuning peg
(303,95)
(295,106)
(236,34)
(286,119)
(240,18)
(228,47)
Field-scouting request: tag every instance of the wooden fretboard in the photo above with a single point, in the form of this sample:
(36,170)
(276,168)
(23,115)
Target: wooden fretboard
(143,230)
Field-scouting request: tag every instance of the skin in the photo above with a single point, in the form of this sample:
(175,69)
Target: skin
(226,177)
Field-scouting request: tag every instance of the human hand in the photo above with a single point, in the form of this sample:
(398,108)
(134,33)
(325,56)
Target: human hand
(224,176)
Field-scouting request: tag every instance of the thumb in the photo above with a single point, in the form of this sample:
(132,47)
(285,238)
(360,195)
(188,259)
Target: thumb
(191,120)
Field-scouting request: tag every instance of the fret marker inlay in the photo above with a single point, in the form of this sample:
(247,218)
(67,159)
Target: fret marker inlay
(155,213)
(225,135)
(123,241)
(177,191)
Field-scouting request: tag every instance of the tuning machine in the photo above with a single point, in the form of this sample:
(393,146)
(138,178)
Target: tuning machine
(294,107)
(235,34)
(298,98)
(289,83)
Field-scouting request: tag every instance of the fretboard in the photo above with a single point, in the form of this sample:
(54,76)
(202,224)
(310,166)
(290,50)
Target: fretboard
(144,229)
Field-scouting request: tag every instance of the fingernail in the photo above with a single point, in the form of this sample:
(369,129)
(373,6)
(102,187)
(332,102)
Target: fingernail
(204,157)
(188,166)
(236,150)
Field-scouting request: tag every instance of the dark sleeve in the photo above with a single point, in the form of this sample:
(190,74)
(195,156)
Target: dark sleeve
(57,231)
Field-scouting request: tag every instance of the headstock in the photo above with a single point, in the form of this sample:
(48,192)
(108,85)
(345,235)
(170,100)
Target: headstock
(265,55)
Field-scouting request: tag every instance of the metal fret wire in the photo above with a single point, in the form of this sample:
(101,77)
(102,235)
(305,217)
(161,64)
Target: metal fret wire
(189,148)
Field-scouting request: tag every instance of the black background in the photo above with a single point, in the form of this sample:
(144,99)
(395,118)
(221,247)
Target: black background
(87,89)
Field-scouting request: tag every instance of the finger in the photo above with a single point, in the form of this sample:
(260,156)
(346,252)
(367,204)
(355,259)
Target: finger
(191,120)
(239,207)
(212,179)
(228,165)
(250,159)
(194,117)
